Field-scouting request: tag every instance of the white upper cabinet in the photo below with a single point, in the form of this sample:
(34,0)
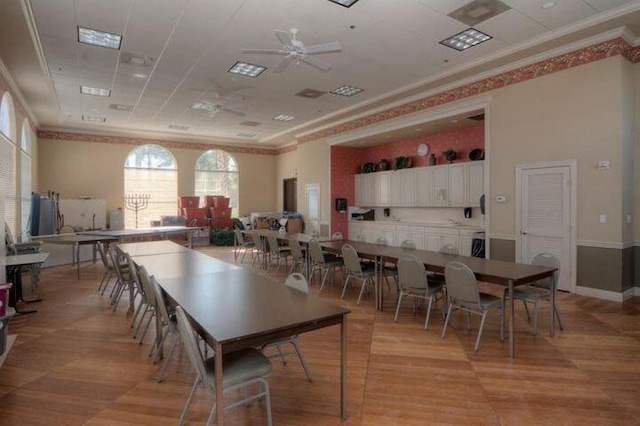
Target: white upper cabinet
(440,183)
(457,185)
(403,187)
(475,183)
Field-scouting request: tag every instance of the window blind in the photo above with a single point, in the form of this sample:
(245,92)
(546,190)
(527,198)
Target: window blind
(8,181)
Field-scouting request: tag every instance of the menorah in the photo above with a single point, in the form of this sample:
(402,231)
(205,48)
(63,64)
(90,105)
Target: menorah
(136,203)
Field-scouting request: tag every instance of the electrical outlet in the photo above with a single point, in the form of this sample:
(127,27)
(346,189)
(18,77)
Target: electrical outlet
(603,218)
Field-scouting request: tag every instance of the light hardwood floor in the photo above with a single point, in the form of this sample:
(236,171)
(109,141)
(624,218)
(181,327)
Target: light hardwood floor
(75,363)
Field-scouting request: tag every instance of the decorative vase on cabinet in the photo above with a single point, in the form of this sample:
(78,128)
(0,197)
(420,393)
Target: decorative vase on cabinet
(433,160)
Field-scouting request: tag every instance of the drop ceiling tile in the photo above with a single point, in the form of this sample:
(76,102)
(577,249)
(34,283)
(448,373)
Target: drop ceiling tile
(602,5)
(511,27)
(443,6)
(564,12)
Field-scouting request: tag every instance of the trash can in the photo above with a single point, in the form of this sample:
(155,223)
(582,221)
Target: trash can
(4,328)
(477,244)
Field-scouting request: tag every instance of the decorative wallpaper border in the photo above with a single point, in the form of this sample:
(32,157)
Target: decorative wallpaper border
(123,140)
(286,149)
(573,59)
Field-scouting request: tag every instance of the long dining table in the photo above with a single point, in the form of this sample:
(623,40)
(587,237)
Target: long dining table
(234,308)
(508,274)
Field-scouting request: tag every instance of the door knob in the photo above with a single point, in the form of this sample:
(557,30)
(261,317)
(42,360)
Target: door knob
(524,232)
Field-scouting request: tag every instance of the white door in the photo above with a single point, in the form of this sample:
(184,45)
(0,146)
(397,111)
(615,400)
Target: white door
(313,209)
(545,216)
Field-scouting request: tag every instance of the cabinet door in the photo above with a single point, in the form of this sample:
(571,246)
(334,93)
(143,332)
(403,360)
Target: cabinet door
(475,183)
(397,196)
(440,191)
(383,231)
(381,189)
(403,187)
(457,185)
(424,186)
(465,245)
(432,242)
(414,234)
(359,190)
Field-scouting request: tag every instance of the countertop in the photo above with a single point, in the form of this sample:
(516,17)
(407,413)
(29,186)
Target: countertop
(473,227)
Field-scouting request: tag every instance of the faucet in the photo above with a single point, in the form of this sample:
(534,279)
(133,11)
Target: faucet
(454,222)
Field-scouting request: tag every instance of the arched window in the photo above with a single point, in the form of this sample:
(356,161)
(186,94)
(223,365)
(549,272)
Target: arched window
(217,174)
(8,161)
(150,170)
(7,117)
(26,143)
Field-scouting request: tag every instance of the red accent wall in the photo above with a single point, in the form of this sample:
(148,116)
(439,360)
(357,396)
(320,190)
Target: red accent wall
(346,162)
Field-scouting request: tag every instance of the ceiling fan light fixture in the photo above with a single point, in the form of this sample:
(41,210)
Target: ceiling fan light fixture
(466,39)
(205,106)
(95,91)
(283,117)
(178,127)
(247,69)
(99,38)
(345,3)
(346,90)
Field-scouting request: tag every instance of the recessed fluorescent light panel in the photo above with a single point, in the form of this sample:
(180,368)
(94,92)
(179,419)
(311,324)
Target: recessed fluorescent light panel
(94,118)
(347,91)
(99,38)
(178,127)
(466,39)
(283,117)
(345,3)
(248,70)
(95,91)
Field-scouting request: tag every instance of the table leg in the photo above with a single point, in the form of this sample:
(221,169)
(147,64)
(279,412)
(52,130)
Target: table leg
(190,239)
(218,371)
(343,368)
(512,352)
(76,248)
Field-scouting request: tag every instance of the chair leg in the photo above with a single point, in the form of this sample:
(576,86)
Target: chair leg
(526,309)
(535,317)
(185,410)
(395,317)
(160,376)
(302,361)
(346,283)
(364,286)
(146,328)
(484,317)
(324,277)
(426,322)
(446,322)
(558,317)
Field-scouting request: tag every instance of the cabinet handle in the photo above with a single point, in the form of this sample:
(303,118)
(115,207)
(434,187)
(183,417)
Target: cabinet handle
(524,232)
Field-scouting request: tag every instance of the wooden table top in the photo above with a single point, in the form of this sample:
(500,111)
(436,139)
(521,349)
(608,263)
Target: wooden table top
(149,248)
(488,270)
(236,305)
(182,264)
(24,259)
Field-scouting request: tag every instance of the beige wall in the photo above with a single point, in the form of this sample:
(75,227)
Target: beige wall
(629,142)
(314,167)
(636,169)
(84,168)
(572,114)
(286,167)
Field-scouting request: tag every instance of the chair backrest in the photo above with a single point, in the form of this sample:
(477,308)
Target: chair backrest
(148,292)
(337,236)
(297,281)
(161,306)
(315,251)
(113,253)
(462,286)
(103,255)
(239,237)
(411,272)
(408,244)
(133,272)
(274,247)
(257,241)
(361,237)
(351,260)
(191,345)
(296,249)
(549,260)
(382,241)
(449,249)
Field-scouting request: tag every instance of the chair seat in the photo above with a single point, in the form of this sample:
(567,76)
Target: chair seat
(530,293)
(240,366)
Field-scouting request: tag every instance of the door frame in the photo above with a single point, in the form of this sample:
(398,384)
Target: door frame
(573,214)
(284,192)
(308,187)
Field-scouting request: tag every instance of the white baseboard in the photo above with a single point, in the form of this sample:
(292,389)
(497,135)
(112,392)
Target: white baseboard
(608,295)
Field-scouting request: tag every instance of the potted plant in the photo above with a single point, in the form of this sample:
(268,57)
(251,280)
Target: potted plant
(450,155)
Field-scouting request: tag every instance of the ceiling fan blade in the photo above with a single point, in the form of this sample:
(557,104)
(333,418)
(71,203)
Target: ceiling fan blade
(315,62)
(233,112)
(283,64)
(284,37)
(323,48)
(266,51)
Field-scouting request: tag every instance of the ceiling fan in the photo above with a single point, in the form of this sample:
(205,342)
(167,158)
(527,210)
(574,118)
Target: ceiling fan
(295,50)
(212,108)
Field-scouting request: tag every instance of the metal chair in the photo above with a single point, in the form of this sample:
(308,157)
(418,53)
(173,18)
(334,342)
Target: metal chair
(389,270)
(123,277)
(259,248)
(241,244)
(412,282)
(167,321)
(356,269)
(463,294)
(147,304)
(279,253)
(323,262)
(297,282)
(337,236)
(242,370)
(298,255)
(408,244)
(538,291)
(449,249)
(445,249)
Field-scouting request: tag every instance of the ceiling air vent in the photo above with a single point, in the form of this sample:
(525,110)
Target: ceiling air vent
(478,11)
(310,93)
(250,123)
(120,107)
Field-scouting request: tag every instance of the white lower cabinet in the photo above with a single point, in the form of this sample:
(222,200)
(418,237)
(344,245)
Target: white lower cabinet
(425,237)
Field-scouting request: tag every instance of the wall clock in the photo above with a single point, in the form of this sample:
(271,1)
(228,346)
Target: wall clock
(423,149)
